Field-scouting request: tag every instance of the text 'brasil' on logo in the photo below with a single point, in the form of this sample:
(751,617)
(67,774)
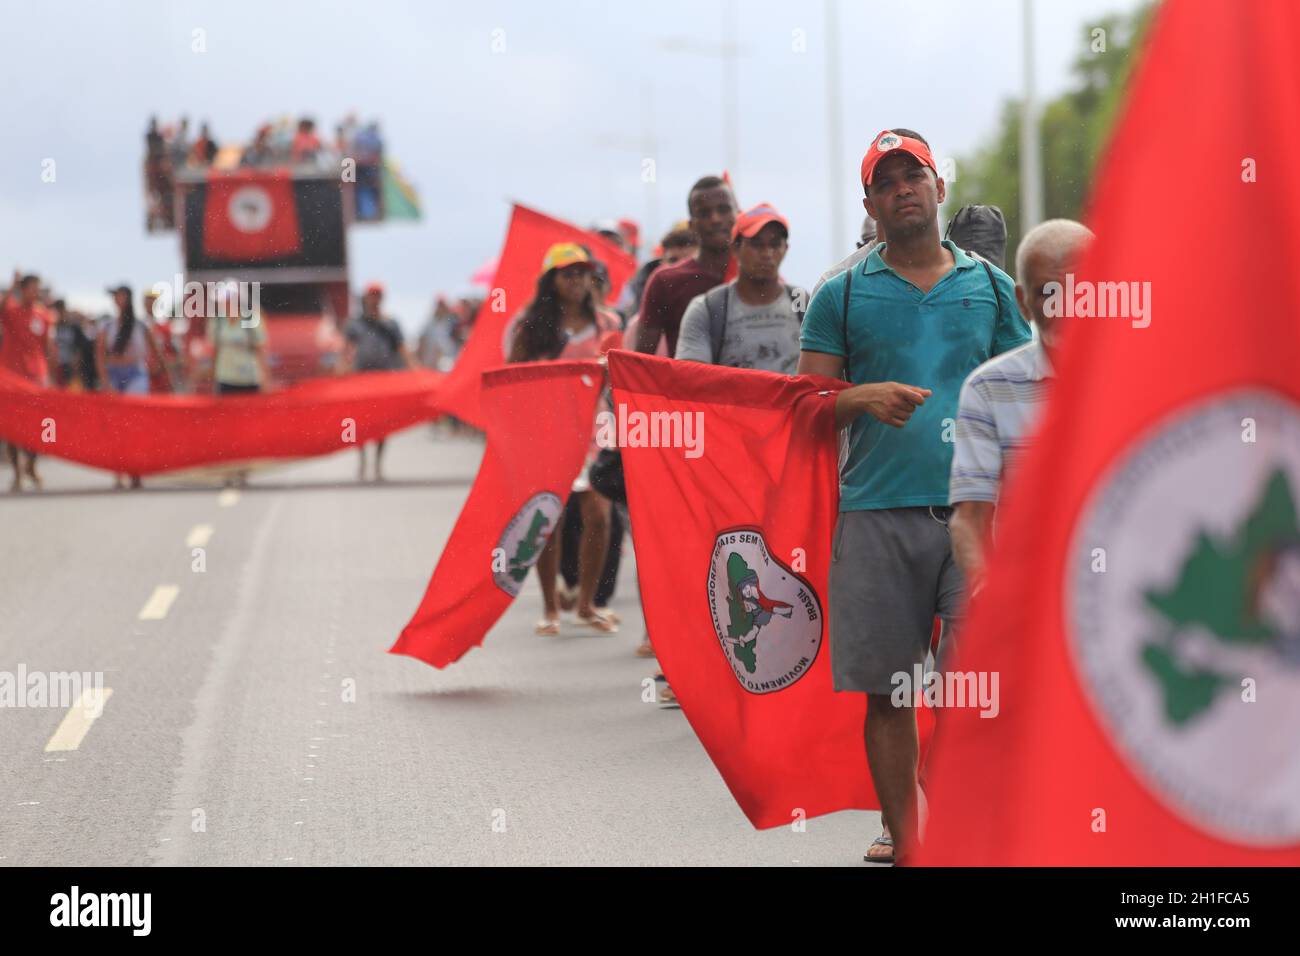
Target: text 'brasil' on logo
(524,538)
(1188,639)
(767,618)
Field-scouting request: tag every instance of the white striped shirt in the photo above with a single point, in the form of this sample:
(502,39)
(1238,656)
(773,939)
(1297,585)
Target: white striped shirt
(999,406)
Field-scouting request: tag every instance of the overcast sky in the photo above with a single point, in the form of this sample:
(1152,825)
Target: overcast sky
(555,119)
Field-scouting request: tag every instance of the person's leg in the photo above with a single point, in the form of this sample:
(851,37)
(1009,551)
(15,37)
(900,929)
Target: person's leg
(570,545)
(881,610)
(29,459)
(17,484)
(361,468)
(379,460)
(892,754)
(547,562)
(594,508)
(950,603)
(613,555)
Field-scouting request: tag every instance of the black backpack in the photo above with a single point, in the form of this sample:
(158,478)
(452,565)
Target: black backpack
(717,299)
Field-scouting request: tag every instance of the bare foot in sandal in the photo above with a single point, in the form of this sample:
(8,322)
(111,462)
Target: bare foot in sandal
(548,626)
(593,619)
(881,849)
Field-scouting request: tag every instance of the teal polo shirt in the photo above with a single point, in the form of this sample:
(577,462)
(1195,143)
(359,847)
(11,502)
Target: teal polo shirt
(894,333)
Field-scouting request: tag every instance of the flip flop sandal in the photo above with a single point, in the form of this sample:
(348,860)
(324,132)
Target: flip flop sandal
(609,615)
(881,840)
(547,628)
(664,694)
(599,623)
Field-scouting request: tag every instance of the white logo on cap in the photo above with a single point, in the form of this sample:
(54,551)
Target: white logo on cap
(887,142)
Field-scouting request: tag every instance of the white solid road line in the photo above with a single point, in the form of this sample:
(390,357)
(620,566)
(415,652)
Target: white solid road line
(76,722)
(159,603)
(228,497)
(199,536)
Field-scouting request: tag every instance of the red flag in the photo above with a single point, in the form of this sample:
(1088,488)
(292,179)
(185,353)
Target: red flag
(1143,600)
(531,234)
(733,491)
(539,420)
(142,435)
(250,215)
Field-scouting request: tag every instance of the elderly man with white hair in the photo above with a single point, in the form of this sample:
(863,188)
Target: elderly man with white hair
(1001,399)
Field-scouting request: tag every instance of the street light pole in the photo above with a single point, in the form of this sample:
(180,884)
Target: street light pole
(834,142)
(1031,172)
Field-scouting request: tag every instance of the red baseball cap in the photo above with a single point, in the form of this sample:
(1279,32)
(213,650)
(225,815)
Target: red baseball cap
(887,142)
(375,288)
(749,222)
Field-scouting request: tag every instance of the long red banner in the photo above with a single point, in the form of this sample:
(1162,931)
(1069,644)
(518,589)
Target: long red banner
(144,435)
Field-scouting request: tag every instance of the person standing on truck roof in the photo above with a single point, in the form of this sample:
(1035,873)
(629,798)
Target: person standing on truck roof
(373,343)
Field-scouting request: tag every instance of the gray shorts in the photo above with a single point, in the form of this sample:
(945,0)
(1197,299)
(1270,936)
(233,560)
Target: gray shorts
(892,574)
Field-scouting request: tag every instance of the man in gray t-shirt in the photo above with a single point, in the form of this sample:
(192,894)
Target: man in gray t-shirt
(753,321)
(373,343)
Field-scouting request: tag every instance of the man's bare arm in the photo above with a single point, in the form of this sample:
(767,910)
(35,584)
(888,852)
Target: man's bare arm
(889,402)
(969,527)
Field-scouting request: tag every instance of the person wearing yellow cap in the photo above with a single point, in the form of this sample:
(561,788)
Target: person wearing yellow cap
(566,321)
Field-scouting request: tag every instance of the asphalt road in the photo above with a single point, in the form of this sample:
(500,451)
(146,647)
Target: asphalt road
(255,717)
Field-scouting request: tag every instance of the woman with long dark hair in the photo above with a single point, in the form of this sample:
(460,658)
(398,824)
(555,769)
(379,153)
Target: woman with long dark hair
(566,321)
(122,355)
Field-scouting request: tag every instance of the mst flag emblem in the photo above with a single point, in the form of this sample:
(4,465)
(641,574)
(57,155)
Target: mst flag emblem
(524,538)
(1189,640)
(767,618)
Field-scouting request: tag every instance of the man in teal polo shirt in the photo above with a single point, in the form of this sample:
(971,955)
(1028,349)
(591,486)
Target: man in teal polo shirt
(907,325)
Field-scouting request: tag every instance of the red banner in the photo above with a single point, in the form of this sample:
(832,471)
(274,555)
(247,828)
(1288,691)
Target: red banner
(538,418)
(1143,600)
(531,233)
(250,215)
(732,481)
(144,435)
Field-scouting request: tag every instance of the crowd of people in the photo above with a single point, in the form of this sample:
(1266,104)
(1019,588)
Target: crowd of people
(928,330)
(285,141)
(144,352)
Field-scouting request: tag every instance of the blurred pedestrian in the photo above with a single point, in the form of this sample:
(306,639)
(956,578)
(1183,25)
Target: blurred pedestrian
(123,352)
(27,350)
(373,343)
(566,321)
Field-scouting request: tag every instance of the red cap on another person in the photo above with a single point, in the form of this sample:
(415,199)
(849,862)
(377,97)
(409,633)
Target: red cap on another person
(888,142)
(749,222)
(375,288)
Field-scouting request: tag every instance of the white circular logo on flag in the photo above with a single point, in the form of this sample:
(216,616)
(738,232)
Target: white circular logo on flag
(523,539)
(37,325)
(767,618)
(1183,591)
(249,209)
(888,141)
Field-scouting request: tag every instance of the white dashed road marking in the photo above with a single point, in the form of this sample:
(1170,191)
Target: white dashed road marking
(159,603)
(198,536)
(76,722)
(228,498)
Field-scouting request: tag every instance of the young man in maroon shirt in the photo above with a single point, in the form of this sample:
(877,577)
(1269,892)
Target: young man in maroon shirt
(713,213)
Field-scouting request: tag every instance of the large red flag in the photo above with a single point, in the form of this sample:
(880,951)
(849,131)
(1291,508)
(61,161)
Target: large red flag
(531,233)
(733,489)
(142,435)
(1143,602)
(539,424)
(250,215)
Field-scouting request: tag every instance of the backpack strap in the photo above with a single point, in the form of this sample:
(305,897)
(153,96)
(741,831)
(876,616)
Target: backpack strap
(716,301)
(848,352)
(997,297)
